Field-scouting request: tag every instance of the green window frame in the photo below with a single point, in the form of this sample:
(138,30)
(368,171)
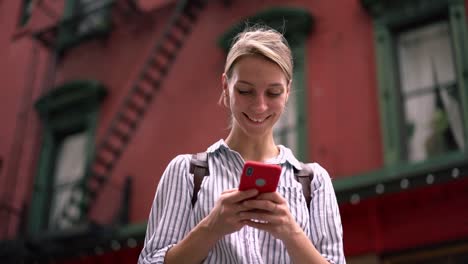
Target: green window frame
(78,14)
(66,110)
(398,173)
(297,24)
(388,16)
(26,10)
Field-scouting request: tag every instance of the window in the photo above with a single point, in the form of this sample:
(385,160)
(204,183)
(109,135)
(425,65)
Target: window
(84,19)
(429,92)
(290,130)
(94,16)
(68,175)
(69,114)
(26,12)
(422,61)
(421,51)
(285,130)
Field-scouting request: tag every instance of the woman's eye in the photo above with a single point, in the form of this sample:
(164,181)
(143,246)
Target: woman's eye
(274,94)
(243,91)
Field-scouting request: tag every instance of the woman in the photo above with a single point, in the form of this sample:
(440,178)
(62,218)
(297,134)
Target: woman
(231,226)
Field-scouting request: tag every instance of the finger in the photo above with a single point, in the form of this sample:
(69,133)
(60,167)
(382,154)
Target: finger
(238,196)
(257,225)
(256,216)
(229,191)
(241,208)
(271,196)
(263,205)
(255,210)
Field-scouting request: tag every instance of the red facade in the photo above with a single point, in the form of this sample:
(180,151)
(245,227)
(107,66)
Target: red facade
(343,120)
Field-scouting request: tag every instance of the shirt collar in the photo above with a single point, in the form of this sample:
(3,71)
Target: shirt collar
(216,146)
(284,156)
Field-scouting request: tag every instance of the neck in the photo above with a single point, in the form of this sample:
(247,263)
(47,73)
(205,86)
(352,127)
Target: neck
(253,148)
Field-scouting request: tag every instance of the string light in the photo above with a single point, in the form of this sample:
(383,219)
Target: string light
(355,198)
(115,245)
(430,179)
(404,183)
(98,250)
(131,243)
(379,188)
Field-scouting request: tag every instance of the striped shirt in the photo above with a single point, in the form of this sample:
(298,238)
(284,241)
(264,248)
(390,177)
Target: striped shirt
(172,215)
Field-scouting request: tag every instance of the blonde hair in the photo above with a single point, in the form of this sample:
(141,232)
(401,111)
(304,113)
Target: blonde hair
(263,41)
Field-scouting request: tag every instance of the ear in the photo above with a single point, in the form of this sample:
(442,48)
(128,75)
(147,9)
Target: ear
(224,82)
(288,89)
(225,87)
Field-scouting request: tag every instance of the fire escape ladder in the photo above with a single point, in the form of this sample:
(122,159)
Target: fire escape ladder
(134,106)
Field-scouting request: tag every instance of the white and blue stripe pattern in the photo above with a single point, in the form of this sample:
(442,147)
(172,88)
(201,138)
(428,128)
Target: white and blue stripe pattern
(172,216)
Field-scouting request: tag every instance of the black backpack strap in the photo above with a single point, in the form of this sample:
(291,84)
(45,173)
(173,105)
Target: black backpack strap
(305,177)
(199,169)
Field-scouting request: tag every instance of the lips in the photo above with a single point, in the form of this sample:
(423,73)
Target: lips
(257,120)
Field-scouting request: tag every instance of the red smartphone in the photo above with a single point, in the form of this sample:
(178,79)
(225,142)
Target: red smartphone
(260,176)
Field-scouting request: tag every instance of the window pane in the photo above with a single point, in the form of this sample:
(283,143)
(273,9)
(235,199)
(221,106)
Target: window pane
(285,129)
(69,170)
(26,12)
(93,18)
(433,123)
(423,50)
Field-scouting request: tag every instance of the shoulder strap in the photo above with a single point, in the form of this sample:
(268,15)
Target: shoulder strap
(305,177)
(199,169)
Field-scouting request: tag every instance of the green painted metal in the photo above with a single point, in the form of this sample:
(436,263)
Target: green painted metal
(68,37)
(25,12)
(66,109)
(37,217)
(401,8)
(458,24)
(402,179)
(403,170)
(388,94)
(86,239)
(301,102)
(136,230)
(92,127)
(78,92)
(65,35)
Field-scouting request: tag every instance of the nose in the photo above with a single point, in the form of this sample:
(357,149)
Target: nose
(260,104)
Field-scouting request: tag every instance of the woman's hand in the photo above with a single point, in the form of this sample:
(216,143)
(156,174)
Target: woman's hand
(225,218)
(270,212)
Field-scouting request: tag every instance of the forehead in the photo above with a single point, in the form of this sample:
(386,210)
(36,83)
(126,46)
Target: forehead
(258,69)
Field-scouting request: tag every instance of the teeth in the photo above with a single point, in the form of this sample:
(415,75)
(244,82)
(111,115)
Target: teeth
(257,120)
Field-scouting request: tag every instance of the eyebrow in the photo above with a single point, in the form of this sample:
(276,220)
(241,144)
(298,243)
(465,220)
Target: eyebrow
(251,84)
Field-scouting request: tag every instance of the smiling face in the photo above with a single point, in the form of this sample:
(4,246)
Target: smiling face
(256,93)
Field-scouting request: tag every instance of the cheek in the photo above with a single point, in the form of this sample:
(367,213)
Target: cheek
(236,102)
(279,105)
(234,105)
